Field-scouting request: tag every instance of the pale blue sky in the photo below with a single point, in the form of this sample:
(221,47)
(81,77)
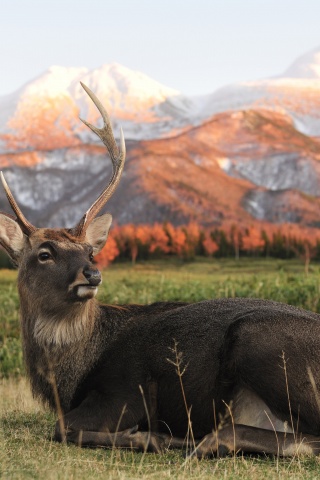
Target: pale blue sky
(194,46)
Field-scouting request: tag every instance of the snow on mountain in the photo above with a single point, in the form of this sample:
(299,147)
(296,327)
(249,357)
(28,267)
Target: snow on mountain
(126,88)
(250,141)
(299,98)
(54,82)
(44,113)
(296,92)
(306,66)
(144,107)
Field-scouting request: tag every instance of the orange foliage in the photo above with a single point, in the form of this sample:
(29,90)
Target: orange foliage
(285,240)
(143,234)
(109,252)
(252,239)
(126,239)
(177,239)
(210,246)
(193,233)
(158,239)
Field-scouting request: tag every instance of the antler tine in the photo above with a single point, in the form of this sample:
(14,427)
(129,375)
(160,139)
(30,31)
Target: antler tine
(117,158)
(26,226)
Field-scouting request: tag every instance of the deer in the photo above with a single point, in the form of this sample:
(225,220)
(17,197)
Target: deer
(222,375)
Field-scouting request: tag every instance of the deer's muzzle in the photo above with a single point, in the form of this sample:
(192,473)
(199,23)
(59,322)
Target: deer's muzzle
(92,275)
(85,285)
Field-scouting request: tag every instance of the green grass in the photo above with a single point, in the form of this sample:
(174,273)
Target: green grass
(26,449)
(283,281)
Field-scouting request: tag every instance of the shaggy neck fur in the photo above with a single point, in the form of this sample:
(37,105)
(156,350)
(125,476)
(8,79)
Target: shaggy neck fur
(60,348)
(69,328)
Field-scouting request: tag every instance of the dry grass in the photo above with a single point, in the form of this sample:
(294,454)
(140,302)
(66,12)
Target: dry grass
(27,451)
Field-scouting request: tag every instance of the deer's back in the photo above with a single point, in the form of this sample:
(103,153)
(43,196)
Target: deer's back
(207,349)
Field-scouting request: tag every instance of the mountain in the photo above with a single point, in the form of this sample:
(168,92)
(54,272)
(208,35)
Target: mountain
(306,66)
(43,114)
(295,92)
(239,165)
(249,151)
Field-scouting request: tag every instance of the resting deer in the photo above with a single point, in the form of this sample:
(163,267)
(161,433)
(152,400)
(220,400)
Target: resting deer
(238,374)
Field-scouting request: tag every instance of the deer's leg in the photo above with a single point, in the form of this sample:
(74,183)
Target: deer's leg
(243,438)
(152,404)
(131,438)
(96,423)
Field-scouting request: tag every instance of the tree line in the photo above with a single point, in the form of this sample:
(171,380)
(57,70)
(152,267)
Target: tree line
(143,242)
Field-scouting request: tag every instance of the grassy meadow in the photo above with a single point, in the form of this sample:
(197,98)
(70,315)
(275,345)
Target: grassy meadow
(26,449)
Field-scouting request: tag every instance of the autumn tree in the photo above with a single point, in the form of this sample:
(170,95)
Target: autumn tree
(192,242)
(221,239)
(159,240)
(252,241)
(209,245)
(235,235)
(109,252)
(285,241)
(143,237)
(127,241)
(177,239)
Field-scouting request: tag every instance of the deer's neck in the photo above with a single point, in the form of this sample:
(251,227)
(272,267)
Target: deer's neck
(60,348)
(65,328)
(59,326)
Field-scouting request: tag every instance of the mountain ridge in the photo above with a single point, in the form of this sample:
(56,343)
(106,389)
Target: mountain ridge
(250,150)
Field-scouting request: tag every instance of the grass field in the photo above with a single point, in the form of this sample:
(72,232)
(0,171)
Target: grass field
(26,449)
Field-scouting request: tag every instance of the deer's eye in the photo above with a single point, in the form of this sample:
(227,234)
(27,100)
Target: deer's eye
(91,257)
(44,256)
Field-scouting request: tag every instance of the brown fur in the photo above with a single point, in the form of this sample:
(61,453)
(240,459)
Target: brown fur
(63,330)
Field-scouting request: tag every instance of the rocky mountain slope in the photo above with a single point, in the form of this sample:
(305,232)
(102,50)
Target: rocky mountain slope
(250,151)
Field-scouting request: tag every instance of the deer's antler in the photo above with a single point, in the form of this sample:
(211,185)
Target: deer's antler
(26,226)
(117,158)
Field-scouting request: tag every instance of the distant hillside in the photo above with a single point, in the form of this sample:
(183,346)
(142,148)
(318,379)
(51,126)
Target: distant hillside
(248,152)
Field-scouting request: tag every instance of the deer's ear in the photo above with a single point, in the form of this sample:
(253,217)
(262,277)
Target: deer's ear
(11,238)
(97,232)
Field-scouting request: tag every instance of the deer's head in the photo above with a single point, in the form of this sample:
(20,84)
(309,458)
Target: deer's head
(55,265)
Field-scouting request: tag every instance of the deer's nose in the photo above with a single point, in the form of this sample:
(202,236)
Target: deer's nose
(92,275)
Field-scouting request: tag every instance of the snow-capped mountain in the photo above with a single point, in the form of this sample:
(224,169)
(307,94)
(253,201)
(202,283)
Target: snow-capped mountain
(44,113)
(295,92)
(306,66)
(249,150)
